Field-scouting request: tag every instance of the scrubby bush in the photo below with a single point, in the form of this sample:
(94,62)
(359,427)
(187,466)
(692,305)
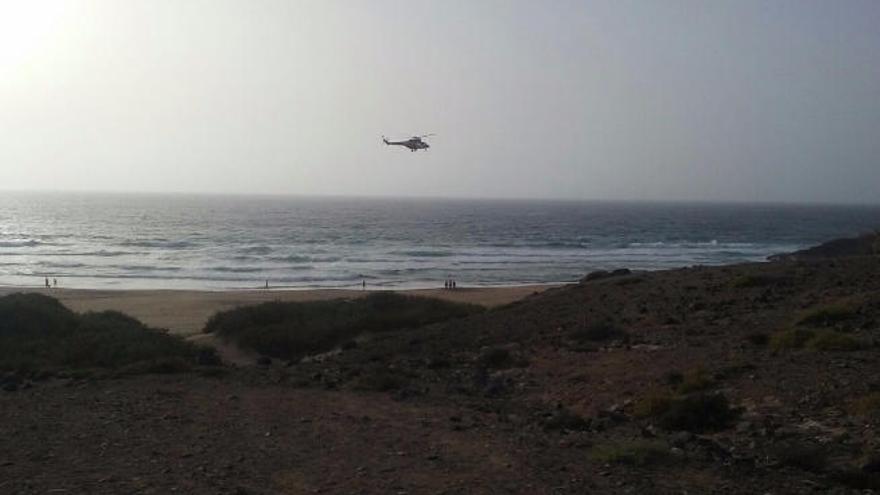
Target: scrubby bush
(749,281)
(291,330)
(830,315)
(698,413)
(758,338)
(380,379)
(856,478)
(25,316)
(653,404)
(673,378)
(565,419)
(629,281)
(733,370)
(632,452)
(868,405)
(830,340)
(803,455)
(792,338)
(695,380)
(817,340)
(597,332)
(38,333)
(501,358)
(496,357)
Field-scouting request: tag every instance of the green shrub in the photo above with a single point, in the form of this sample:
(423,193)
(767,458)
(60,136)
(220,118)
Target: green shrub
(34,315)
(830,315)
(38,333)
(291,330)
(698,413)
(830,340)
(632,452)
(792,338)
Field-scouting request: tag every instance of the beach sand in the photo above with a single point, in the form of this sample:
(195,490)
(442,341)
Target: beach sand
(186,312)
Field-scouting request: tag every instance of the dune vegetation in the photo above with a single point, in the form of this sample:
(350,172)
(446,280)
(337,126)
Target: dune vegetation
(38,333)
(291,330)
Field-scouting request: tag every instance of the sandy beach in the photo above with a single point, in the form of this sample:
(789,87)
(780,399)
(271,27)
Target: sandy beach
(185,312)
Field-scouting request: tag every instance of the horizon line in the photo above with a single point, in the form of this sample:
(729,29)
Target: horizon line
(452,198)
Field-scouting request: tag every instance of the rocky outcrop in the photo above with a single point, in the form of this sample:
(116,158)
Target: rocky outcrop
(864,245)
(602,274)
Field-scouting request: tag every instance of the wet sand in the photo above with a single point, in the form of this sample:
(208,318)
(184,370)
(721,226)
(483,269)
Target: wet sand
(186,312)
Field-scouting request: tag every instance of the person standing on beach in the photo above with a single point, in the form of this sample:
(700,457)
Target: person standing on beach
(54,282)
(47,282)
(364,284)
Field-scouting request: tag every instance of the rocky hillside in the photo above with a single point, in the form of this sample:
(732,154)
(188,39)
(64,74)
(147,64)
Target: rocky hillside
(864,245)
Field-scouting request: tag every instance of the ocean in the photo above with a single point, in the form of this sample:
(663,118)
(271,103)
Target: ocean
(146,241)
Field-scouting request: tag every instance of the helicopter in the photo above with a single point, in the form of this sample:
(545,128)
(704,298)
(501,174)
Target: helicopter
(414,143)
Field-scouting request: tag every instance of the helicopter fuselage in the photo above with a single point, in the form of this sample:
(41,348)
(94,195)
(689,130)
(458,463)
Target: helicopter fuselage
(413,144)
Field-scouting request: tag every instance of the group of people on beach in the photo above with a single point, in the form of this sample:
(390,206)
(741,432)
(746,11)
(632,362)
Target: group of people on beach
(54,282)
(450,284)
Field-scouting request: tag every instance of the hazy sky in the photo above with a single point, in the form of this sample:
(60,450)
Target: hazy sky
(729,100)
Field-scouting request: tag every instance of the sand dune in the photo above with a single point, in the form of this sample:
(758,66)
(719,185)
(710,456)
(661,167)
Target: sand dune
(185,312)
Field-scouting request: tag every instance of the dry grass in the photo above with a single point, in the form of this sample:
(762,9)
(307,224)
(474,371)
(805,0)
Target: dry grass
(655,403)
(632,452)
(816,340)
(829,315)
(830,340)
(868,405)
(695,380)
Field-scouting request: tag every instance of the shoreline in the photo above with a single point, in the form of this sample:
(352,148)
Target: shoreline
(185,312)
(5,288)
